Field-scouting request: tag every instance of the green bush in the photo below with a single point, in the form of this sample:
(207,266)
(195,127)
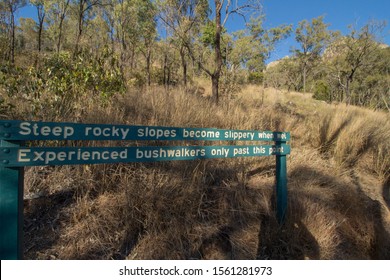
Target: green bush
(322,91)
(256,78)
(62,83)
(75,76)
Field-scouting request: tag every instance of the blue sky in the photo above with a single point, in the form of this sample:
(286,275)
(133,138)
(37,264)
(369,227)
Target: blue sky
(338,13)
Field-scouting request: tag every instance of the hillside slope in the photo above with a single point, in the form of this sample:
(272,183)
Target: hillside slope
(338,180)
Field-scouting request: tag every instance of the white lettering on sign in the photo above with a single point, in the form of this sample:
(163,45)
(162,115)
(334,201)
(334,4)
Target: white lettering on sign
(22,153)
(26,155)
(27,129)
(107,131)
(266,135)
(241,151)
(38,156)
(239,135)
(170,153)
(158,133)
(259,150)
(220,152)
(276,150)
(200,133)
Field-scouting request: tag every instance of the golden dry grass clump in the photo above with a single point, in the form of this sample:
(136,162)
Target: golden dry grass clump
(338,174)
(354,136)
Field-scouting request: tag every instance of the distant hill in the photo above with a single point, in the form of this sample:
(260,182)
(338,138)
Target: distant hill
(276,62)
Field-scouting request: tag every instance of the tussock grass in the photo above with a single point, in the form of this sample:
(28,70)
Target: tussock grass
(353,136)
(222,208)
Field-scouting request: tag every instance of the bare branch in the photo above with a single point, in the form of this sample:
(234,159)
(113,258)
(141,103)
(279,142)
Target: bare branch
(240,10)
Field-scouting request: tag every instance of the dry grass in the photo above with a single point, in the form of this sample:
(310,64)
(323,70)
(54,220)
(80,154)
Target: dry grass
(220,209)
(353,136)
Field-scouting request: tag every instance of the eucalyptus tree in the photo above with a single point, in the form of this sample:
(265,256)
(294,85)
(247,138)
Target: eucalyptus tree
(41,14)
(11,7)
(84,12)
(312,38)
(221,13)
(125,30)
(357,51)
(183,19)
(146,26)
(132,29)
(27,35)
(4,27)
(255,44)
(57,12)
(108,16)
(229,8)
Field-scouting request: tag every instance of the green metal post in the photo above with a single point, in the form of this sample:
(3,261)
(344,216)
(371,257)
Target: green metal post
(281,186)
(11,207)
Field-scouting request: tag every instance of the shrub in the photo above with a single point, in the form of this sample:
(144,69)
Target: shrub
(322,91)
(61,82)
(256,78)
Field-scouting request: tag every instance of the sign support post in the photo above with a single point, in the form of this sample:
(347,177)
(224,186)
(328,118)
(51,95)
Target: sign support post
(11,207)
(281,184)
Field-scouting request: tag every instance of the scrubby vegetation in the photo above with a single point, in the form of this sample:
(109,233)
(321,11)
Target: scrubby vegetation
(353,69)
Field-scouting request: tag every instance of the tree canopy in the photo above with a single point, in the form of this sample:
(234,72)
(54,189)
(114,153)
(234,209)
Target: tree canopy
(172,42)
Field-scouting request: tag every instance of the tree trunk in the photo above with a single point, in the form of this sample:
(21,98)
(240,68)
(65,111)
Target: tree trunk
(112,37)
(304,78)
(184,65)
(148,58)
(12,38)
(165,71)
(40,36)
(169,77)
(348,85)
(41,18)
(123,51)
(215,88)
(263,90)
(347,97)
(218,56)
(62,18)
(80,26)
(60,33)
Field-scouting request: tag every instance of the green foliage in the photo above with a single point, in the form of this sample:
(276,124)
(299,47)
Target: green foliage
(284,73)
(359,66)
(13,81)
(312,38)
(207,37)
(137,79)
(5,108)
(353,68)
(256,78)
(253,46)
(67,76)
(4,33)
(63,82)
(322,91)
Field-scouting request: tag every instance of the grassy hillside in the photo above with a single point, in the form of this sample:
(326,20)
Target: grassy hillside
(338,181)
